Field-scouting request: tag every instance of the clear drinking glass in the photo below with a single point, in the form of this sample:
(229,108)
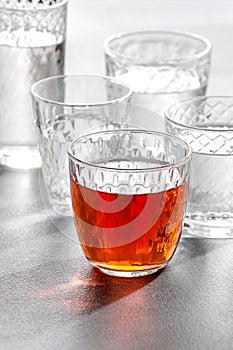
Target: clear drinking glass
(129,190)
(206,123)
(32,47)
(65,107)
(161,67)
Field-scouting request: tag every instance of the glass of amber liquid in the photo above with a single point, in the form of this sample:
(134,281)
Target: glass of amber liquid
(129,191)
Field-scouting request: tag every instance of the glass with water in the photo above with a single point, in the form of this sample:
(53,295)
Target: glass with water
(32,47)
(160,67)
(64,108)
(206,123)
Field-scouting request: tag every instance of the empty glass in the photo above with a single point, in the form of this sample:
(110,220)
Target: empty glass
(65,107)
(161,67)
(206,123)
(32,47)
(129,190)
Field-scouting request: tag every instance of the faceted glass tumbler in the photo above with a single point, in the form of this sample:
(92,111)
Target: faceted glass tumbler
(207,125)
(161,67)
(64,108)
(129,190)
(32,47)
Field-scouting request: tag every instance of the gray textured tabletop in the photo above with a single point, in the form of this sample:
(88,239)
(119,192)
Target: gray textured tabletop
(50,297)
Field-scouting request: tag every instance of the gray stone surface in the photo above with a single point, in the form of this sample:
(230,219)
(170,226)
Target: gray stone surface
(51,298)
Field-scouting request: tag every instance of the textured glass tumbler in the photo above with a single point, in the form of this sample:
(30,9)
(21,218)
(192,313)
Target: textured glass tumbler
(161,67)
(65,107)
(207,125)
(32,47)
(128,190)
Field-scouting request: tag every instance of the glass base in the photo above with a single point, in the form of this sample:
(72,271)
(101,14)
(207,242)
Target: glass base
(20,157)
(128,274)
(209,225)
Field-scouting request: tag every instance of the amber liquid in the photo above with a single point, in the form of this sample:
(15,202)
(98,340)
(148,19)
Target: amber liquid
(128,233)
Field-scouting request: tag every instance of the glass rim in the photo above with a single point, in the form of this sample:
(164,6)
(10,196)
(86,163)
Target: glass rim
(180,162)
(33,9)
(114,54)
(168,113)
(77,105)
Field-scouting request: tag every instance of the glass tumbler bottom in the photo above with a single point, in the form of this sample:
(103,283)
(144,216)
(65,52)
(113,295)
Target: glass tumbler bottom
(20,157)
(209,225)
(128,273)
